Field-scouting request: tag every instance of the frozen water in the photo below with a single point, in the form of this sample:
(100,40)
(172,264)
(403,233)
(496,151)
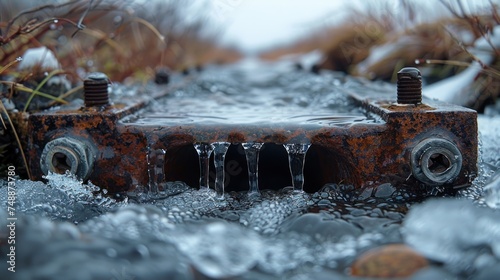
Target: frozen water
(463,236)
(266,216)
(219,249)
(492,191)
(457,88)
(220,150)
(204,151)
(63,198)
(71,230)
(41,56)
(252,155)
(296,160)
(156,161)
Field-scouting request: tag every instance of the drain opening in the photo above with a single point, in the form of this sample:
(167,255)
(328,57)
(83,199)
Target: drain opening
(438,163)
(61,163)
(322,166)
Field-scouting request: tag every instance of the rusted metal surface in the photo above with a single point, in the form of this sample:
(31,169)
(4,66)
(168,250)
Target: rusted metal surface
(359,153)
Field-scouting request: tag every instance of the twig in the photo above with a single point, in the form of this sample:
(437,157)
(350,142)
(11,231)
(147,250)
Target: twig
(79,25)
(3,109)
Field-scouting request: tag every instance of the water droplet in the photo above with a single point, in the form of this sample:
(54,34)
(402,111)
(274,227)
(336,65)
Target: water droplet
(117,20)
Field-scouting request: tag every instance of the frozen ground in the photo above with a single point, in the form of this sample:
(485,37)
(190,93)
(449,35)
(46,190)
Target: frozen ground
(65,230)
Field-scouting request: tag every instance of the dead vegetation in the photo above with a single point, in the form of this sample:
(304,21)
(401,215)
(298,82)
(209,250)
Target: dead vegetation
(127,40)
(376,43)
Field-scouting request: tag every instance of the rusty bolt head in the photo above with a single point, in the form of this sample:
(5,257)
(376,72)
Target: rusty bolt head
(436,161)
(409,86)
(95,89)
(68,154)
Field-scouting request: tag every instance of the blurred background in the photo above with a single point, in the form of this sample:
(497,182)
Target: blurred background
(130,39)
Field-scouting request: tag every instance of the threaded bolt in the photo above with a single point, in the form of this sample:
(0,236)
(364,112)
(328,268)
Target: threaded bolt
(95,90)
(409,86)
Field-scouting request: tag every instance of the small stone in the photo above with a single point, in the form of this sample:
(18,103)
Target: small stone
(390,261)
(384,190)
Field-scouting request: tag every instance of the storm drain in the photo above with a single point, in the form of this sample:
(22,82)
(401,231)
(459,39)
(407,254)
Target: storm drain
(386,135)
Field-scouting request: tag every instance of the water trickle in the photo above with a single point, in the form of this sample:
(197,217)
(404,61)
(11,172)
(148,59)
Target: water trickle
(252,154)
(204,150)
(296,159)
(156,172)
(220,149)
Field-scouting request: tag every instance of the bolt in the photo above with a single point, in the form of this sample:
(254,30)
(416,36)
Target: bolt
(95,89)
(68,154)
(436,161)
(162,75)
(409,86)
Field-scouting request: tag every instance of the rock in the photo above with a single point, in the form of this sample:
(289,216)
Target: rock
(384,190)
(395,260)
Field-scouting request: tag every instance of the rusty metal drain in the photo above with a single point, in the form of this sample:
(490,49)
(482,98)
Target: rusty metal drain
(425,143)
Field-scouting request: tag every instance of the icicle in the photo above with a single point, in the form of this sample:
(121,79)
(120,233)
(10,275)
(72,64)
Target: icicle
(252,154)
(220,149)
(156,172)
(296,159)
(204,150)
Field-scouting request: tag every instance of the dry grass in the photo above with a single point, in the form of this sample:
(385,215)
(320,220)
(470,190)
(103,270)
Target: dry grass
(127,40)
(120,38)
(377,44)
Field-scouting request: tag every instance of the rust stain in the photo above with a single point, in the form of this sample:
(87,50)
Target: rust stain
(361,154)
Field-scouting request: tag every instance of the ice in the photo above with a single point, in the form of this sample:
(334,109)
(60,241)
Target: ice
(219,249)
(490,138)
(457,88)
(62,198)
(492,191)
(60,250)
(41,56)
(252,155)
(322,226)
(266,216)
(296,160)
(204,151)
(219,150)
(156,163)
(463,236)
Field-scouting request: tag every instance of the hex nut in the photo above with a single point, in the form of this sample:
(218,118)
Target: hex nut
(68,154)
(436,161)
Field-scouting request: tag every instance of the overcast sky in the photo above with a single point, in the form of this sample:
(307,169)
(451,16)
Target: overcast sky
(254,25)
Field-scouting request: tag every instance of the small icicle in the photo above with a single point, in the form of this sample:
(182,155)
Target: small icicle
(220,149)
(252,154)
(204,150)
(156,172)
(296,159)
